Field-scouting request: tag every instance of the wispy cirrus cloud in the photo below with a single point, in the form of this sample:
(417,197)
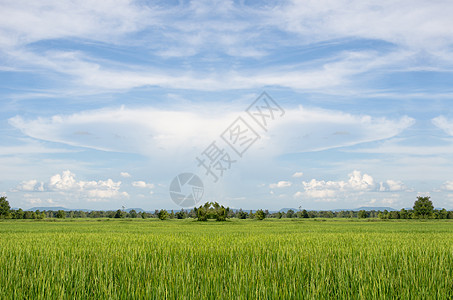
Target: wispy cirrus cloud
(218,31)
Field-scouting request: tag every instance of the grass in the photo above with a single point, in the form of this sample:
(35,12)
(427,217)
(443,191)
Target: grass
(239,259)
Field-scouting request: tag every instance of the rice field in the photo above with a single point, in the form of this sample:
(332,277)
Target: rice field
(238,259)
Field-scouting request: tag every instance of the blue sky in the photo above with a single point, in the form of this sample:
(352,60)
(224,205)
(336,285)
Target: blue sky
(104,103)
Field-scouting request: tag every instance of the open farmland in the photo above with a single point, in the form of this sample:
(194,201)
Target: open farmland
(185,259)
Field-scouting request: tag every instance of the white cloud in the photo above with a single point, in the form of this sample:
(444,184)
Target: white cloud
(280,184)
(448,185)
(418,24)
(298,194)
(359,182)
(29,146)
(31,199)
(142,184)
(24,22)
(28,185)
(391,200)
(98,75)
(392,185)
(298,174)
(63,182)
(130,130)
(223,29)
(125,175)
(328,190)
(444,124)
(66,183)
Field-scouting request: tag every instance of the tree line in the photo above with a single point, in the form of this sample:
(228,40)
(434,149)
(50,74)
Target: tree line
(423,208)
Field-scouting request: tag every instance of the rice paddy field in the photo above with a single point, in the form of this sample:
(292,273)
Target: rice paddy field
(238,259)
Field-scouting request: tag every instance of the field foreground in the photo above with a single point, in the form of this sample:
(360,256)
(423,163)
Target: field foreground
(183,259)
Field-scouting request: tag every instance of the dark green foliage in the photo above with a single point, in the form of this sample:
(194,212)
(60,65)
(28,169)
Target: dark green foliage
(61,214)
(211,210)
(260,215)
(181,214)
(290,213)
(133,213)
(120,214)
(162,214)
(404,214)
(241,214)
(304,214)
(442,214)
(423,207)
(362,214)
(4,208)
(222,213)
(394,215)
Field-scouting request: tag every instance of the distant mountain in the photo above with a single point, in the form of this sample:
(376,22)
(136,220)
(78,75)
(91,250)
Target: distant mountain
(375,208)
(285,209)
(367,208)
(136,209)
(54,208)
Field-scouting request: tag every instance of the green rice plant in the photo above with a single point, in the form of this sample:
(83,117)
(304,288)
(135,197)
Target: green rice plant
(238,259)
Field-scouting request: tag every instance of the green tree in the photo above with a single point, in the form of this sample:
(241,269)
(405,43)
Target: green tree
(222,213)
(394,214)
(290,213)
(211,210)
(362,214)
(181,214)
(260,215)
(133,214)
(404,214)
(119,214)
(443,214)
(19,214)
(28,215)
(4,208)
(162,214)
(450,215)
(202,213)
(61,214)
(423,207)
(304,214)
(241,214)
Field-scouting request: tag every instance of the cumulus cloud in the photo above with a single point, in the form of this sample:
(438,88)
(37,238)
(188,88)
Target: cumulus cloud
(31,185)
(298,194)
(142,184)
(360,182)
(67,183)
(280,184)
(357,183)
(125,175)
(298,174)
(328,190)
(448,185)
(392,186)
